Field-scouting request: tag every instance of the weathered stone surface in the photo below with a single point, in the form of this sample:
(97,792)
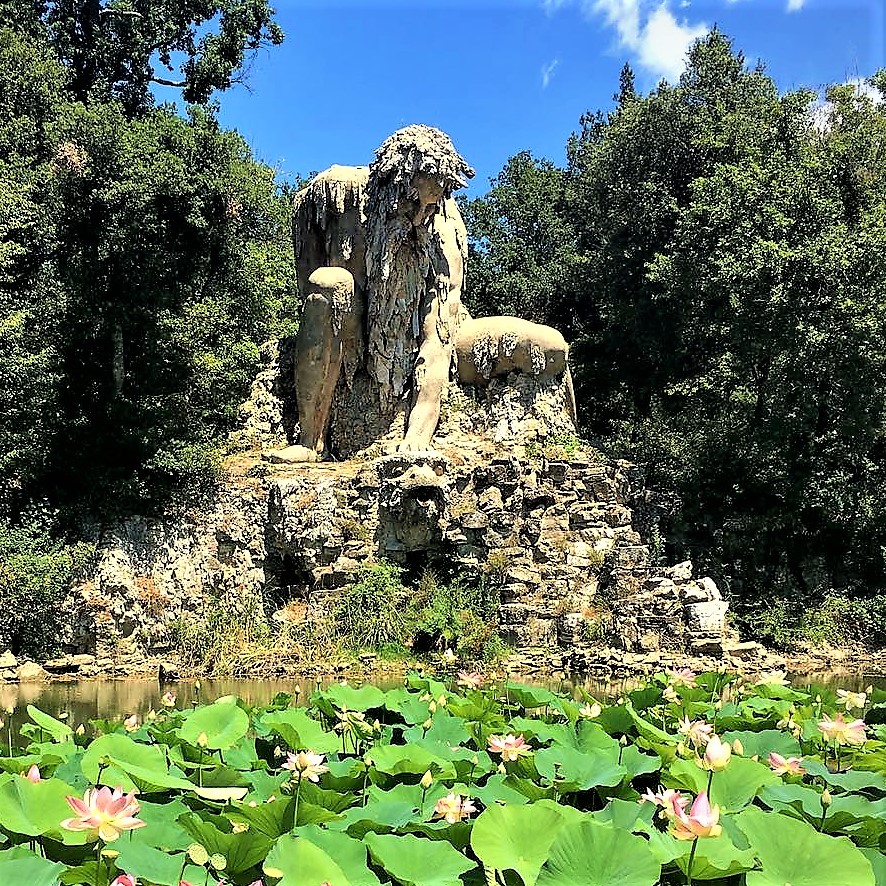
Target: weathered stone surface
(299,535)
(709,617)
(30,672)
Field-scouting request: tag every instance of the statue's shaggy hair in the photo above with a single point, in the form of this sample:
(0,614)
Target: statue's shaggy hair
(402,268)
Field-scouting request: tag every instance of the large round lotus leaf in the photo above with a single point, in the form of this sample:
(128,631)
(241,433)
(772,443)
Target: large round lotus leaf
(349,698)
(21,865)
(299,861)
(349,854)
(591,854)
(414,861)
(218,726)
(154,865)
(37,809)
(517,838)
(409,759)
(300,732)
(55,728)
(125,763)
(765,742)
(732,789)
(792,851)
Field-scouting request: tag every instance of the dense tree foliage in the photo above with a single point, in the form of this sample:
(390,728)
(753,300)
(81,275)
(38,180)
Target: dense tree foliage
(143,258)
(115,51)
(724,285)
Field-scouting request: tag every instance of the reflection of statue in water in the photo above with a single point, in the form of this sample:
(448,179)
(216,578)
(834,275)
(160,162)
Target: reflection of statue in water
(380,255)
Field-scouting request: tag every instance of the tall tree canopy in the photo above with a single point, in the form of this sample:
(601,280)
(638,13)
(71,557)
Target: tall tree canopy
(143,259)
(116,50)
(724,287)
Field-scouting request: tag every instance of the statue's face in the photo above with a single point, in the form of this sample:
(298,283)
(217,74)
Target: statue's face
(429,195)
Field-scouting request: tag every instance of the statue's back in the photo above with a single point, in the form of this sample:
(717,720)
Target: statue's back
(329,225)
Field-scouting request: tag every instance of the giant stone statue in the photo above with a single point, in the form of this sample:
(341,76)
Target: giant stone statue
(380,256)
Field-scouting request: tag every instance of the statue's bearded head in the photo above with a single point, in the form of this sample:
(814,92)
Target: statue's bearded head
(415,170)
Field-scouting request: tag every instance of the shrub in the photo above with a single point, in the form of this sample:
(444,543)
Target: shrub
(457,615)
(370,612)
(36,572)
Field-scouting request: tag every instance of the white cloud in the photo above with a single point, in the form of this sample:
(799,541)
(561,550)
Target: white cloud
(551,6)
(652,33)
(796,5)
(547,72)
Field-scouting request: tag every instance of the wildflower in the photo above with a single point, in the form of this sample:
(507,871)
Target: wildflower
(698,732)
(672,802)
(168,699)
(130,724)
(840,731)
(682,677)
(590,711)
(33,774)
(470,679)
(453,807)
(124,880)
(700,822)
(307,764)
(511,747)
(852,699)
(716,755)
(104,811)
(782,766)
(449,655)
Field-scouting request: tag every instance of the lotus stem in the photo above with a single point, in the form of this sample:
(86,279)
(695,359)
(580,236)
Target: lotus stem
(691,859)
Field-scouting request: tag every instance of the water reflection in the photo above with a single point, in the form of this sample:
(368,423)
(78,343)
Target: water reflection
(79,701)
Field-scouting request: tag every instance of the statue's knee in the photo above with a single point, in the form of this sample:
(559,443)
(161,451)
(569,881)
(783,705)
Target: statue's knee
(336,286)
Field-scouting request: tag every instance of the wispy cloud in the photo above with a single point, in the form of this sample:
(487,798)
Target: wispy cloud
(547,71)
(551,6)
(650,31)
(795,5)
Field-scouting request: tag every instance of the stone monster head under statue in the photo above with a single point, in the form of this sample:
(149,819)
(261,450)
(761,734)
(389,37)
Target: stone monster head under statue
(380,256)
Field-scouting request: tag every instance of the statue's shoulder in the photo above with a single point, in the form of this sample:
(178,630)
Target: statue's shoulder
(338,185)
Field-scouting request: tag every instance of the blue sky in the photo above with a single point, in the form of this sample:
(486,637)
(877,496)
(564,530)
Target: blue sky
(501,76)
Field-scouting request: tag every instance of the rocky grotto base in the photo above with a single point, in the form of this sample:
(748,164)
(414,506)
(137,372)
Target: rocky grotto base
(506,497)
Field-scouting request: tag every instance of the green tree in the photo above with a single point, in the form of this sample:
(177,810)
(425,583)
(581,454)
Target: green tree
(522,243)
(116,50)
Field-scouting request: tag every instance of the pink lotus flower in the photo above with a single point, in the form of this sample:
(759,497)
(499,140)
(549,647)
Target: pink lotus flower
(782,766)
(700,822)
(104,811)
(124,880)
(716,755)
(131,723)
(453,807)
(682,677)
(511,747)
(840,731)
(33,774)
(168,699)
(672,802)
(698,732)
(470,679)
(306,764)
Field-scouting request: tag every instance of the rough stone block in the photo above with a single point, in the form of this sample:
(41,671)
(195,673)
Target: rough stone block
(708,617)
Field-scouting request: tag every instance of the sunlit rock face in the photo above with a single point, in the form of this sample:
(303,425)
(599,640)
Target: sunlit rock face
(550,529)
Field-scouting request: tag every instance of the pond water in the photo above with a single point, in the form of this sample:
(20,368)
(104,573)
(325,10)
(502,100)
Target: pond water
(79,701)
